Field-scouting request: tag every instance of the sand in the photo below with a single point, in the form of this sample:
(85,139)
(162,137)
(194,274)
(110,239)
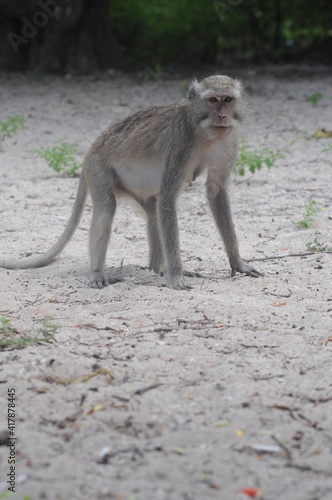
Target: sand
(147,393)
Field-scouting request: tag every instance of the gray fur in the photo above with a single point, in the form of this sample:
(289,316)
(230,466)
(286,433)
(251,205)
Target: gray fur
(149,156)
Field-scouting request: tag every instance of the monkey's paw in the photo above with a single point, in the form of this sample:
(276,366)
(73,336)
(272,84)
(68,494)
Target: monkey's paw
(244,268)
(177,283)
(99,280)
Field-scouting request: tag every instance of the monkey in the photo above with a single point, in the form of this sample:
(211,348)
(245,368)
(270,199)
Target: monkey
(149,156)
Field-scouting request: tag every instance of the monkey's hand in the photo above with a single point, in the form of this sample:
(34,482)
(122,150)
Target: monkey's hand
(244,268)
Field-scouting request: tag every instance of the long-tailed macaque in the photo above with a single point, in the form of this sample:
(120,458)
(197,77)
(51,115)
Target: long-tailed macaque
(149,156)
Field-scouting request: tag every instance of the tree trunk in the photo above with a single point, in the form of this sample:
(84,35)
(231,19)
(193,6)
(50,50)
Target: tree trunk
(57,36)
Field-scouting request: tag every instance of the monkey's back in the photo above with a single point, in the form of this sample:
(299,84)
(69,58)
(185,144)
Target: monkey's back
(145,133)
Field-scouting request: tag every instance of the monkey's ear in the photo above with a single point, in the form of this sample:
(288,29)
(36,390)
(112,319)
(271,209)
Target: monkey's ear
(193,90)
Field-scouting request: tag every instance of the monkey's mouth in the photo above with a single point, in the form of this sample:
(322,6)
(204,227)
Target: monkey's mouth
(221,126)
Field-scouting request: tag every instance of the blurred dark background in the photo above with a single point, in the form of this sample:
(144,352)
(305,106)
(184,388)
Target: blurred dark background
(80,36)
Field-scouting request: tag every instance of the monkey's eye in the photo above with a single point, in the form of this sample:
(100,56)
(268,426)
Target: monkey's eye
(213,99)
(228,99)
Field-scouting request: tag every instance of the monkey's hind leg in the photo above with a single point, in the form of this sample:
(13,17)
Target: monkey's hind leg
(155,247)
(104,206)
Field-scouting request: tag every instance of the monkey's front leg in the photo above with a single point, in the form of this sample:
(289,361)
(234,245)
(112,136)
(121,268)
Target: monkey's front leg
(156,253)
(220,206)
(169,232)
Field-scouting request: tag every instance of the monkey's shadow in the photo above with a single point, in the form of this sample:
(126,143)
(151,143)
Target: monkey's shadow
(134,274)
(141,275)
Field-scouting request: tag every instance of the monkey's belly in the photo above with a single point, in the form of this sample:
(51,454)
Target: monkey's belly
(143,181)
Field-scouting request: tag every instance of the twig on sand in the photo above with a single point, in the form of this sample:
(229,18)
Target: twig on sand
(301,254)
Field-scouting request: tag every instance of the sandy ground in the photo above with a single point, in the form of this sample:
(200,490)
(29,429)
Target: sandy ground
(195,395)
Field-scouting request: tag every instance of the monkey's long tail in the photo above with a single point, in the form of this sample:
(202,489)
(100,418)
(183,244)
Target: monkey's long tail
(49,256)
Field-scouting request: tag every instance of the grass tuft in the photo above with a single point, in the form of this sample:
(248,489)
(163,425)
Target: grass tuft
(61,158)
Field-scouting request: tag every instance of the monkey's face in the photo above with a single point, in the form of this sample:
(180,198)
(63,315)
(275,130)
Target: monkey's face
(218,103)
(217,113)
(220,108)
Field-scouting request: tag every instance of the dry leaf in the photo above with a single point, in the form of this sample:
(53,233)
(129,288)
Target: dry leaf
(223,423)
(252,492)
(321,133)
(178,451)
(95,408)
(167,358)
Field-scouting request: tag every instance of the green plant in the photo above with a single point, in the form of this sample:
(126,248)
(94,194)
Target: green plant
(311,209)
(316,245)
(166,32)
(12,338)
(186,31)
(9,494)
(10,126)
(48,329)
(61,157)
(254,159)
(327,149)
(153,73)
(315,97)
